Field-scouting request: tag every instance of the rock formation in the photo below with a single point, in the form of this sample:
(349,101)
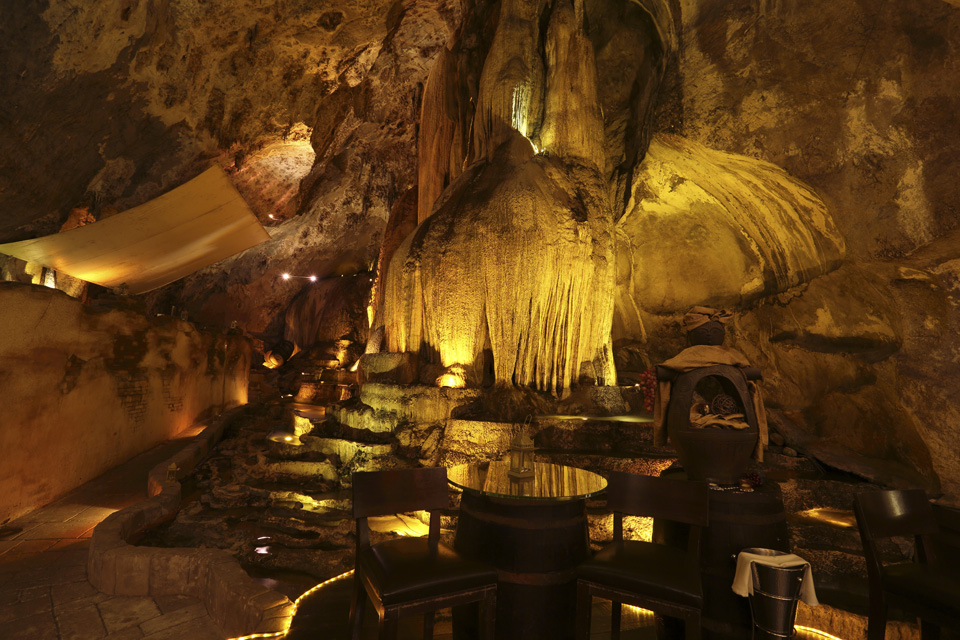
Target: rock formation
(805,153)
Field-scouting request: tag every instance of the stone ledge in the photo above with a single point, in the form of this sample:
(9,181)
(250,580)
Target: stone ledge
(236,603)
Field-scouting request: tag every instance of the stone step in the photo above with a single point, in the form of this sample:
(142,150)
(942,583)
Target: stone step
(357,456)
(416,403)
(832,565)
(474,441)
(649,465)
(322,392)
(811,534)
(292,471)
(331,428)
(362,417)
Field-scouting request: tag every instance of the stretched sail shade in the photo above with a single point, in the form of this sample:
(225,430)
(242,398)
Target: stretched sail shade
(172,236)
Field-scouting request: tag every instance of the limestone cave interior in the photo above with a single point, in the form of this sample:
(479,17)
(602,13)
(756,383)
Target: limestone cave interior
(251,247)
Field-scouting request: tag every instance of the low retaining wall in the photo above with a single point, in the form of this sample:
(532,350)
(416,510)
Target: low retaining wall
(237,603)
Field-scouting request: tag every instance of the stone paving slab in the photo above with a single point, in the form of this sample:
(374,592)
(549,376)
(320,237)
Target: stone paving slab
(44,592)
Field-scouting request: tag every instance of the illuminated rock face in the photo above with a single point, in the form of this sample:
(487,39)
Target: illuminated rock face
(517,258)
(505,265)
(714,228)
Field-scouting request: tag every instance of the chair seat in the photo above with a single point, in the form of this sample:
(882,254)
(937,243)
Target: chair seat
(933,588)
(403,570)
(647,569)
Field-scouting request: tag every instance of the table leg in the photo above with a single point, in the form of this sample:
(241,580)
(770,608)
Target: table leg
(536,548)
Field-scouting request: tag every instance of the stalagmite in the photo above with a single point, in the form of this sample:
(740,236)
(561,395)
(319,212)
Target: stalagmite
(516,259)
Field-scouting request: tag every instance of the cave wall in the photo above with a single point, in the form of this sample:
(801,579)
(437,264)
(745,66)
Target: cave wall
(315,112)
(856,98)
(86,389)
(858,101)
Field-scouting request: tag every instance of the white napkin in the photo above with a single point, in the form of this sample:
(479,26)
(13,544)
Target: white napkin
(743,581)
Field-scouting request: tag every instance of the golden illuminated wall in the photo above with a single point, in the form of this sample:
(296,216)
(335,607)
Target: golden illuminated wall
(85,390)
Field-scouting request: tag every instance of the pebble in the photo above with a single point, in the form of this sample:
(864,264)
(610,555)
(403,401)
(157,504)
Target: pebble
(790,451)
(776,438)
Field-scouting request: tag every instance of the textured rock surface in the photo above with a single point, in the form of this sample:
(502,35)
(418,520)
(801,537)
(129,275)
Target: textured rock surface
(87,388)
(315,109)
(707,227)
(517,259)
(856,98)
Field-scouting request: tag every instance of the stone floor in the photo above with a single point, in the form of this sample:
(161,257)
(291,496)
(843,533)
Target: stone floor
(44,592)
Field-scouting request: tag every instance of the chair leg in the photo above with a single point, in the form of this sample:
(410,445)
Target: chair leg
(388,627)
(615,620)
(584,610)
(488,616)
(691,627)
(357,606)
(877,621)
(928,630)
(428,625)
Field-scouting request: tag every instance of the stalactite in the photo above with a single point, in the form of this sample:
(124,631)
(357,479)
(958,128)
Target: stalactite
(572,124)
(512,68)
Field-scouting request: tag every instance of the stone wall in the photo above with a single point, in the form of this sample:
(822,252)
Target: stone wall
(84,389)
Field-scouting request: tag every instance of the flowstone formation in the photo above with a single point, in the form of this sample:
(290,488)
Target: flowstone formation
(516,257)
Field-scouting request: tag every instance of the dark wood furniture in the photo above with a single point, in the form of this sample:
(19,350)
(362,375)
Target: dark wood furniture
(535,533)
(412,576)
(662,578)
(927,587)
(717,455)
(738,520)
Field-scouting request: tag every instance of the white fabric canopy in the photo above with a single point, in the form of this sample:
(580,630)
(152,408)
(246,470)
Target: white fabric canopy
(198,223)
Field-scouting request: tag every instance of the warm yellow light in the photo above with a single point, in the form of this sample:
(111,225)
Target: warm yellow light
(313,278)
(836,517)
(822,634)
(454,377)
(296,605)
(285,276)
(270,361)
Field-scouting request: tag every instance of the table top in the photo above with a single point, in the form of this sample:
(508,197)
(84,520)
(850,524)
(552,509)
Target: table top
(549,482)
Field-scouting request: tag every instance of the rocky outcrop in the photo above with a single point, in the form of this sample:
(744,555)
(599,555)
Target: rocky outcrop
(854,98)
(713,228)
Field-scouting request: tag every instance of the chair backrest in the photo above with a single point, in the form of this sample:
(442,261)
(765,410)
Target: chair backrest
(682,501)
(378,493)
(886,514)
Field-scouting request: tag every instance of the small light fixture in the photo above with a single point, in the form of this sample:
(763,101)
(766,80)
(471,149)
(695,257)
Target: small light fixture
(313,278)
(285,276)
(521,454)
(270,215)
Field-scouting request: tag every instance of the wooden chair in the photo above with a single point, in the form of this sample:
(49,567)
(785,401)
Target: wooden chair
(654,576)
(412,576)
(925,587)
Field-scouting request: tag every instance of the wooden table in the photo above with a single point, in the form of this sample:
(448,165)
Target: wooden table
(535,534)
(738,520)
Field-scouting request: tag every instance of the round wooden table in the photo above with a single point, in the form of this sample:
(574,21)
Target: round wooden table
(534,532)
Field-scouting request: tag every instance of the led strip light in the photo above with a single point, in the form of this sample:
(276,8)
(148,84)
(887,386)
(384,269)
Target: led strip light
(314,589)
(296,605)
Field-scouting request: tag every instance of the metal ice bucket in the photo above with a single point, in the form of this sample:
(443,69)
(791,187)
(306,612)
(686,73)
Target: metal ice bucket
(773,604)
